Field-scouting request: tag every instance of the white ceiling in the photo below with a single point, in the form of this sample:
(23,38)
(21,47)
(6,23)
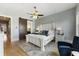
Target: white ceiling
(20,9)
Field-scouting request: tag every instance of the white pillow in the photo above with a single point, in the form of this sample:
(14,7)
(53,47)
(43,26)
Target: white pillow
(51,32)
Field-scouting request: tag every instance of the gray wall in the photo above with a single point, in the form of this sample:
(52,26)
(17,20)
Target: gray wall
(65,19)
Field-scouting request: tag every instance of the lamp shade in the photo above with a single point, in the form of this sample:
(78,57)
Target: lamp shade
(59,30)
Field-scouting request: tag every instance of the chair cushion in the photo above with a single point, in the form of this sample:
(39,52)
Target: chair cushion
(65,50)
(64,47)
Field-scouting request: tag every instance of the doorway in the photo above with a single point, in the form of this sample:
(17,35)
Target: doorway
(29,26)
(5,28)
(22,28)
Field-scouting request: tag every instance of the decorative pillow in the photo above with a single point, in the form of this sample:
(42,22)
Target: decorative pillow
(44,32)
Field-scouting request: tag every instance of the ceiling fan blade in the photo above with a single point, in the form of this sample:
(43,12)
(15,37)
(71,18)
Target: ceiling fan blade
(40,15)
(35,13)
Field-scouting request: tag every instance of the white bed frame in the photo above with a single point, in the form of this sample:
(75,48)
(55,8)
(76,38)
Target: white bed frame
(39,40)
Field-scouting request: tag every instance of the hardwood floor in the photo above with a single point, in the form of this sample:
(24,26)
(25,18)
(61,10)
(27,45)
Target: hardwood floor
(13,50)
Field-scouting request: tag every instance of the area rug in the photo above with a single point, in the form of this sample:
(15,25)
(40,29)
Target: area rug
(33,50)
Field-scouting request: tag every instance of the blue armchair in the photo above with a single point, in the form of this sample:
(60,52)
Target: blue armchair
(75,44)
(66,48)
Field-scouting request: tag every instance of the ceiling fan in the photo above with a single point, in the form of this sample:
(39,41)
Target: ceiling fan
(35,14)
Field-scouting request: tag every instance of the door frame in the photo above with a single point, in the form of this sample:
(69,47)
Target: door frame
(7,21)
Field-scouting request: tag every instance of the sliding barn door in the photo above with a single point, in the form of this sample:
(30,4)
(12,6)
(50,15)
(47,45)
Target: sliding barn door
(22,28)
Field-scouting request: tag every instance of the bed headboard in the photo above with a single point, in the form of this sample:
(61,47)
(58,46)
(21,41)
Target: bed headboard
(50,26)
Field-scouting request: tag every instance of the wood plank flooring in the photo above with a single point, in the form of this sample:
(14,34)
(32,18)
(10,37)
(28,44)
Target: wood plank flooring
(13,50)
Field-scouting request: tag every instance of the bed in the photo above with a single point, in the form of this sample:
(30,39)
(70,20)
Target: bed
(41,40)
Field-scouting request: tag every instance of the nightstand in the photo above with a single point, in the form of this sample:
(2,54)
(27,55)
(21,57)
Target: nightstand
(59,38)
